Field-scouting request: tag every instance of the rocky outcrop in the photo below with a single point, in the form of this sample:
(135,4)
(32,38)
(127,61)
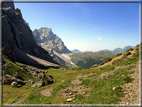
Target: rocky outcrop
(38,84)
(8,79)
(17,35)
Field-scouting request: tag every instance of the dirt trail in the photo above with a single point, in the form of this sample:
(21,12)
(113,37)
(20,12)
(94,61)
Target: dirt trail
(20,101)
(41,61)
(131,90)
(114,59)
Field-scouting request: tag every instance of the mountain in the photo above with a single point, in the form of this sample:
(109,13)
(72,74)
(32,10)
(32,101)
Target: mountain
(105,50)
(86,51)
(17,35)
(117,50)
(49,41)
(76,51)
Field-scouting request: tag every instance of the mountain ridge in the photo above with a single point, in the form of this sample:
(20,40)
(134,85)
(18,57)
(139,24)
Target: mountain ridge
(116,50)
(17,35)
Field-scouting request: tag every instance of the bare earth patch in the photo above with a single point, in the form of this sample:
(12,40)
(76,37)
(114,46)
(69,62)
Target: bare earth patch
(70,92)
(46,92)
(112,72)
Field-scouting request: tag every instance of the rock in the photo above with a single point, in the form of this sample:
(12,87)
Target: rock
(31,81)
(17,75)
(25,82)
(38,84)
(7,52)
(69,100)
(8,79)
(46,72)
(52,43)
(19,85)
(71,93)
(14,84)
(67,91)
(114,88)
(83,93)
(41,75)
(49,79)
(3,73)
(33,73)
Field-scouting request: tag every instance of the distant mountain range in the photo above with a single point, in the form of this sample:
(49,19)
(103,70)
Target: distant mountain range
(76,51)
(116,50)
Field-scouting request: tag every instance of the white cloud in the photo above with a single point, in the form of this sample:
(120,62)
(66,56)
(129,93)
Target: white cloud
(99,38)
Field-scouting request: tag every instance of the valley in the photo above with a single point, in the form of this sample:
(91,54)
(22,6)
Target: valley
(37,68)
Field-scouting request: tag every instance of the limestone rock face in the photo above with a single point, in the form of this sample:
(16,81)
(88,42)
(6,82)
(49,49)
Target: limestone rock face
(17,35)
(46,39)
(49,41)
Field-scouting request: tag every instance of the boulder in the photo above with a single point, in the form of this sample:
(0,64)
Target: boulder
(41,75)
(14,84)
(49,79)
(38,84)
(8,79)
(45,71)
(31,81)
(69,100)
(17,75)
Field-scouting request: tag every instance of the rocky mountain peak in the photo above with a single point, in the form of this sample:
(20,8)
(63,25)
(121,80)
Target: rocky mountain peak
(48,40)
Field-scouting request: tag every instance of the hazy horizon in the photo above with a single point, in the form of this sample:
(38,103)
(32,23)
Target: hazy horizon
(86,26)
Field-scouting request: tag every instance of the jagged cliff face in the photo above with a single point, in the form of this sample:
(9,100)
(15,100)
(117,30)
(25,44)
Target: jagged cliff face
(17,35)
(49,41)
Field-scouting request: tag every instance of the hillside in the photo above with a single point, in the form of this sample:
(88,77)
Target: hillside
(115,81)
(86,60)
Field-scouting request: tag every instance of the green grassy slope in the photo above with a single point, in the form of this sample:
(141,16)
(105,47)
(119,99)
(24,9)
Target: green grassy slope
(105,84)
(10,68)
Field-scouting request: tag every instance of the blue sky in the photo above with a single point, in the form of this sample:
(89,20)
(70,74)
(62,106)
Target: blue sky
(86,26)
